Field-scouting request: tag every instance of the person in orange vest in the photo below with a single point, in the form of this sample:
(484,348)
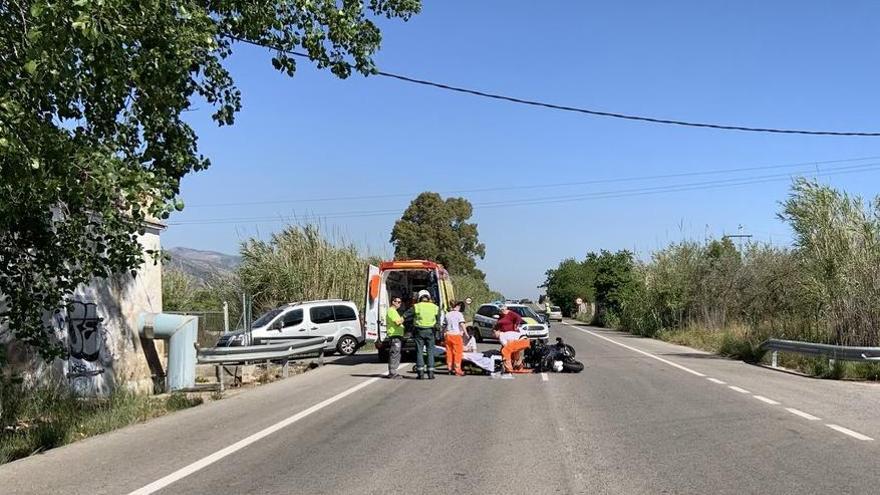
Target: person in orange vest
(512,341)
(455,329)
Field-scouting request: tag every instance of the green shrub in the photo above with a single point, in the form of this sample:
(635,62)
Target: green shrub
(38,418)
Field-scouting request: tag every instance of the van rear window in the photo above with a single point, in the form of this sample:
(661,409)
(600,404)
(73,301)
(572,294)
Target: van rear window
(344,313)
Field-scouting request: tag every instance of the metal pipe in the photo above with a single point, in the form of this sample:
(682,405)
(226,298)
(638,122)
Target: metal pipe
(180,331)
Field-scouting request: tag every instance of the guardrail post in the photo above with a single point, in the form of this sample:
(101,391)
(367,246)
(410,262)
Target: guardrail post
(774,361)
(321,358)
(219,370)
(285,368)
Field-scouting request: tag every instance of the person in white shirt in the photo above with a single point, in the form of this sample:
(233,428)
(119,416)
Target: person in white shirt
(455,328)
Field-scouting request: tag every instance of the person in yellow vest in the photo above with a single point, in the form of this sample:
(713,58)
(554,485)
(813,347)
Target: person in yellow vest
(394,325)
(426,316)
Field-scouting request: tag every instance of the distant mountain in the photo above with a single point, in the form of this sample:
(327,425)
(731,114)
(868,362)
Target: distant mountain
(201,265)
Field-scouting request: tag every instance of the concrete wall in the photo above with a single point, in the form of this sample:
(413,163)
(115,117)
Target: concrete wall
(100,331)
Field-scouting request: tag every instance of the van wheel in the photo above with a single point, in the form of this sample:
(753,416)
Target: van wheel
(384,355)
(347,345)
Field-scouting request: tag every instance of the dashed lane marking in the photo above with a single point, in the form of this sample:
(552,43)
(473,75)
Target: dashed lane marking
(798,412)
(847,431)
(766,400)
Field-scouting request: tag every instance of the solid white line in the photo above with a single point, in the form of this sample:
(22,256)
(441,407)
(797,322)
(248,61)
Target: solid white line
(220,454)
(764,399)
(802,414)
(715,380)
(849,432)
(544,377)
(658,358)
(737,389)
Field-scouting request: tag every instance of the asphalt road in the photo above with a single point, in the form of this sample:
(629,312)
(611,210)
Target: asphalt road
(643,417)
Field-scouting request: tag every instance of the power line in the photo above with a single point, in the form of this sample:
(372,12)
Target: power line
(567,108)
(688,186)
(540,186)
(694,186)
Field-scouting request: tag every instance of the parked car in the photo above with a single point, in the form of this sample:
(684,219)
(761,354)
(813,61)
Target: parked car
(404,279)
(488,314)
(555,313)
(325,318)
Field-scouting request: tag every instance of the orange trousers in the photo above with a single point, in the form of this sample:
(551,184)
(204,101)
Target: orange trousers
(454,350)
(513,351)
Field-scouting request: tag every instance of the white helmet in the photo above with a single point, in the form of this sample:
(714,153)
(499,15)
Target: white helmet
(424,293)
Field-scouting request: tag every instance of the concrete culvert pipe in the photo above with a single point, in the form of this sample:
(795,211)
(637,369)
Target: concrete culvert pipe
(180,331)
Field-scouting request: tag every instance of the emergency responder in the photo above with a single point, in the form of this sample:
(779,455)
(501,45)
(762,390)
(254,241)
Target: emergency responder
(394,323)
(426,316)
(512,341)
(455,329)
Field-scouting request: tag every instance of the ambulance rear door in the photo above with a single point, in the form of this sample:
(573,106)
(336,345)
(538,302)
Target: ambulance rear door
(371,304)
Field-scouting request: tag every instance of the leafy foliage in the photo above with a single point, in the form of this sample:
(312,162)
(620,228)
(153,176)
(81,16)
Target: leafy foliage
(181,292)
(477,289)
(435,229)
(612,283)
(567,282)
(92,140)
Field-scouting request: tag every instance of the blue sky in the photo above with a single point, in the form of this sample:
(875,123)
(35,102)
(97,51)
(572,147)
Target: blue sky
(299,141)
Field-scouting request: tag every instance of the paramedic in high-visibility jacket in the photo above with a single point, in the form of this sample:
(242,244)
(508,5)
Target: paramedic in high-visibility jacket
(426,316)
(394,324)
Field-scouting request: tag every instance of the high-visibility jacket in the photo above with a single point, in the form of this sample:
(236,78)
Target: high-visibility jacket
(425,314)
(394,323)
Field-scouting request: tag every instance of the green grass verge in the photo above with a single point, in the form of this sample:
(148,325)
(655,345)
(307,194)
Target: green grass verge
(741,343)
(35,419)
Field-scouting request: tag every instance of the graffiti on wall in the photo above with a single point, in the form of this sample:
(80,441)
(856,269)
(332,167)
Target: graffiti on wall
(85,339)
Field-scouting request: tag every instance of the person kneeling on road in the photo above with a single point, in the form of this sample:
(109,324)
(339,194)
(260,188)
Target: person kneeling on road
(394,323)
(425,319)
(512,341)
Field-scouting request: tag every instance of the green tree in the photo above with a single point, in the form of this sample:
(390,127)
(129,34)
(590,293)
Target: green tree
(475,288)
(436,229)
(614,279)
(92,139)
(568,281)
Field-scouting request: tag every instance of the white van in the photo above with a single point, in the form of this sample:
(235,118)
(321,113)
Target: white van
(402,279)
(325,318)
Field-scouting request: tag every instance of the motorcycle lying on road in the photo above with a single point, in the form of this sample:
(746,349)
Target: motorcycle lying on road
(558,357)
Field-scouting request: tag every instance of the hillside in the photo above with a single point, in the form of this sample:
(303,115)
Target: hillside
(200,264)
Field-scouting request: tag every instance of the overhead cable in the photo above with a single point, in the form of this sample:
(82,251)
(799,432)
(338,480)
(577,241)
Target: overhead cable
(587,111)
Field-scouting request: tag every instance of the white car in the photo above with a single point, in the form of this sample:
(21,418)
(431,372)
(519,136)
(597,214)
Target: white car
(488,314)
(555,313)
(326,318)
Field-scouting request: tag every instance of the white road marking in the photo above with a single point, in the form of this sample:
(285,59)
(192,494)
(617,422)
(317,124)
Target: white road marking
(652,356)
(847,431)
(802,414)
(764,399)
(220,454)
(796,412)
(544,377)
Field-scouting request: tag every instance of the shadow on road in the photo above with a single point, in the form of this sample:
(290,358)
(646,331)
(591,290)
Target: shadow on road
(353,360)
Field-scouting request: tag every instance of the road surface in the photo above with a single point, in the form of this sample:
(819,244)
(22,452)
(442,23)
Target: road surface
(644,417)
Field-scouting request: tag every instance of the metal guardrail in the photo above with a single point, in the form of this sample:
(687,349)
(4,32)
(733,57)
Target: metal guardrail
(841,352)
(280,351)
